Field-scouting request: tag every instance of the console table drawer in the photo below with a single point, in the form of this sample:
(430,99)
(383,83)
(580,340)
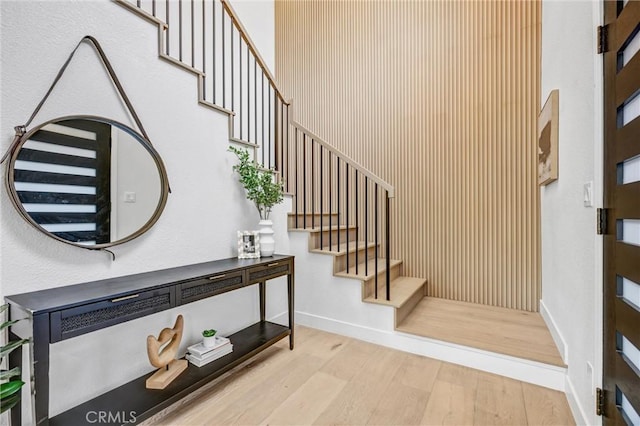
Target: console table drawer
(209,286)
(266,272)
(95,316)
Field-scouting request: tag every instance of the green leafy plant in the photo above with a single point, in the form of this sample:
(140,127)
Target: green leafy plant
(10,386)
(209,333)
(261,187)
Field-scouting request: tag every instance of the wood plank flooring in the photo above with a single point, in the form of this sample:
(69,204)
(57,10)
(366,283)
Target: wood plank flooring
(507,331)
(332,379)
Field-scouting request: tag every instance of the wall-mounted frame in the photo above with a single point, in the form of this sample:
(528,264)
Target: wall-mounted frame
(548,139)
(248,244)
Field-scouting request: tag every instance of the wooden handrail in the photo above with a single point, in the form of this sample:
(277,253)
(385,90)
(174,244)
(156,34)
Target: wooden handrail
(352,163)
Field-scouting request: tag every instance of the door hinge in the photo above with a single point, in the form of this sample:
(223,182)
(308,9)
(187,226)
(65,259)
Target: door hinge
(603,38)
(600,400)
(602,221)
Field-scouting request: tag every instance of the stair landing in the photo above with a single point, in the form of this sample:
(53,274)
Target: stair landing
(511,332)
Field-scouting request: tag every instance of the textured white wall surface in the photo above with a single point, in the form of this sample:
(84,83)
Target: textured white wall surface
(571,250)
(258,17)
(203,212)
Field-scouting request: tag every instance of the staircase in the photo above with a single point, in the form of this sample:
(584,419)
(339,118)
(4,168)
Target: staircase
(357,260)
(343,207)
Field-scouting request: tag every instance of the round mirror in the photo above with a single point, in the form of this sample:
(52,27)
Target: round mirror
(87,181)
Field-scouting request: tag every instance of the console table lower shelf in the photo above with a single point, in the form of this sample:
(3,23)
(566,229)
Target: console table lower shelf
(133,402)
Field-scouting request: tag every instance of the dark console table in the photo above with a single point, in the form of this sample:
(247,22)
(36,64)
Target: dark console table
(63,313)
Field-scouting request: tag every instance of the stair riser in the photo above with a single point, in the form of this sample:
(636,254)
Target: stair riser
(314,238)
(340,262)
(326,219)
(369,286)
(403,311)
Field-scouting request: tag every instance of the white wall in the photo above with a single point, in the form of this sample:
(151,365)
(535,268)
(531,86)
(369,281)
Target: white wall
(571,250)
(258,17)
(203,212)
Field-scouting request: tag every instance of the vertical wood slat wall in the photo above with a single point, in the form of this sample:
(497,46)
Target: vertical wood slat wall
(440,99)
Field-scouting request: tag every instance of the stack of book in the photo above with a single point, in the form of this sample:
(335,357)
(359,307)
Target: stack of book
(200,355)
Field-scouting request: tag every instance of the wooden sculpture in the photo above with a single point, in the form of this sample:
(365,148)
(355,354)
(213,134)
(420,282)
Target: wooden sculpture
(162,352)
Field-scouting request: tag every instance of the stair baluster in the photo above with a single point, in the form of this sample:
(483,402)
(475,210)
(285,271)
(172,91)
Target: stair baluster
(304,179)
(346,197)
(321,196)
(366,226)
(180,30)
(330,201)
(357,218)
(296,176)
(375,230)
(224,35)
(313,186)
(193,36)
(388,246)
(338,202)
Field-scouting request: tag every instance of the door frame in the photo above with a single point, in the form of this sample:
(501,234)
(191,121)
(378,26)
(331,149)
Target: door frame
(598,175)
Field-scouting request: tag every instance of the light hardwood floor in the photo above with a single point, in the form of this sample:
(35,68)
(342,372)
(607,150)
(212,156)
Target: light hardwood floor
(332,379)
(507,331)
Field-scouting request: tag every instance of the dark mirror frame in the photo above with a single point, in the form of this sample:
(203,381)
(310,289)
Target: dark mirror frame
(164,182)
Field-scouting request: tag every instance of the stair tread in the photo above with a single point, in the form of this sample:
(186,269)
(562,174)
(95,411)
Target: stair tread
(342,248)
(245,142)
(216,107)
(325,228)
(371,269)
(402,288)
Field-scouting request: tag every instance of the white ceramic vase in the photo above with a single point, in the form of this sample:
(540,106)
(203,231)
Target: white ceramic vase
(267,242)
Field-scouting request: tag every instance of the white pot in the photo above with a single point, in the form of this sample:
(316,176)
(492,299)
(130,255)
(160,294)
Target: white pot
(267,242)
(209,342)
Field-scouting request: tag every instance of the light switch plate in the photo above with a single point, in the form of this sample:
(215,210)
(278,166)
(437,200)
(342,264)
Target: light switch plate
(588,194)
(129,197)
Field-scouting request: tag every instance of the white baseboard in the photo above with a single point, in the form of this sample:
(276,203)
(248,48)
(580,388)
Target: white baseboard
(555,332)
(579,414)
(281,318)
(537,373)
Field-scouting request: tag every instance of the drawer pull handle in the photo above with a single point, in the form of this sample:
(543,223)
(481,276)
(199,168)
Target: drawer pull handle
(273,264)
(120,299)
(217,277)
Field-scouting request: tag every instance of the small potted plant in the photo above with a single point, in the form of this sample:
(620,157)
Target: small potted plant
(209,338)
(264,191)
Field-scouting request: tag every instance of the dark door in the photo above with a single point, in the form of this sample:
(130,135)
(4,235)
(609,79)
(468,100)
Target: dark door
(622,201)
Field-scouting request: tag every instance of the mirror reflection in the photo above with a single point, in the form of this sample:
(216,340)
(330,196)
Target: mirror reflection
(88,181)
